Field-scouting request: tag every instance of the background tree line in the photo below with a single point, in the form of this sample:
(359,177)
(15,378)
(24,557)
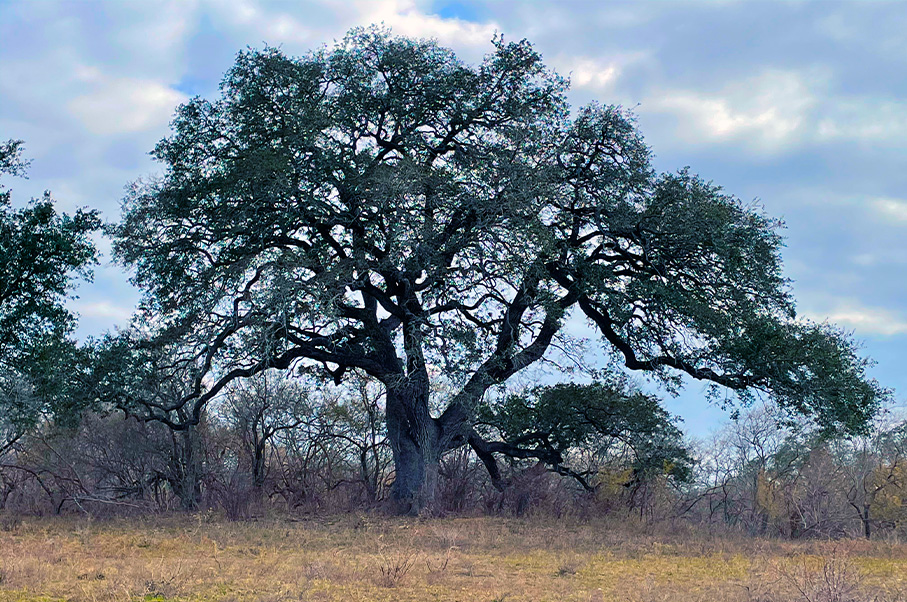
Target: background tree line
(274,445)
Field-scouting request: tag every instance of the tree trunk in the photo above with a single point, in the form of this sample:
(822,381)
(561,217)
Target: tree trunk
(258,463)
(415,441)
(186,468)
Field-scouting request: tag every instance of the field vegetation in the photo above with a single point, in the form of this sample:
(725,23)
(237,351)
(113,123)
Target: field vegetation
(364,557)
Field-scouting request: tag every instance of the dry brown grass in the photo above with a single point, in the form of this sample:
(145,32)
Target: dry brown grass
(204,558)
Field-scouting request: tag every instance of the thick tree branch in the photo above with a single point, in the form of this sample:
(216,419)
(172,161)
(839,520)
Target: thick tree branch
(606,327)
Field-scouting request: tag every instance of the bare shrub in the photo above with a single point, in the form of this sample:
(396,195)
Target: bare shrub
(394,563)
(836,580)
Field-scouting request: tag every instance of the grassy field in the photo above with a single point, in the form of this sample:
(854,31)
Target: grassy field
(350,558)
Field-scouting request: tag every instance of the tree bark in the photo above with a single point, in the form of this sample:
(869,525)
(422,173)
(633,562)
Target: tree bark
(865,520)
(258,463)
(186,468)
(415,439)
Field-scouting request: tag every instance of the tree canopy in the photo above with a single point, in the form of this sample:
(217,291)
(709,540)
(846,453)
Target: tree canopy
(380,205)
(41,252)
(614,422)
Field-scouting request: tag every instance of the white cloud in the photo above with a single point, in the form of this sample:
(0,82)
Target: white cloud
(863,320)
(103,310)
(850,22)
(119,105)
(865,259)
(891,209)
(886,258)
(590,74)
(280,24)
(779,109)
(865,120)
(595,73)
(276,27)
(766,112)
(407,18)
(152,36)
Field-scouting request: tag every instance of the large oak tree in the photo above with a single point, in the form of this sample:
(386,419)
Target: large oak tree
(381,206)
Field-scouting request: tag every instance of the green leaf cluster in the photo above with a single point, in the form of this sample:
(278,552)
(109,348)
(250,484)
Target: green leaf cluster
(41,252)
(622,426)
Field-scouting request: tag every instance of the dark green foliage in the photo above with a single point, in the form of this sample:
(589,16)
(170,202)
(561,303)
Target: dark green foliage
(137,375)
(620,426)
(41,251)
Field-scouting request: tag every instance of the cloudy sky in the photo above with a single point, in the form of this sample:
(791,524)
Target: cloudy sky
(801,105)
